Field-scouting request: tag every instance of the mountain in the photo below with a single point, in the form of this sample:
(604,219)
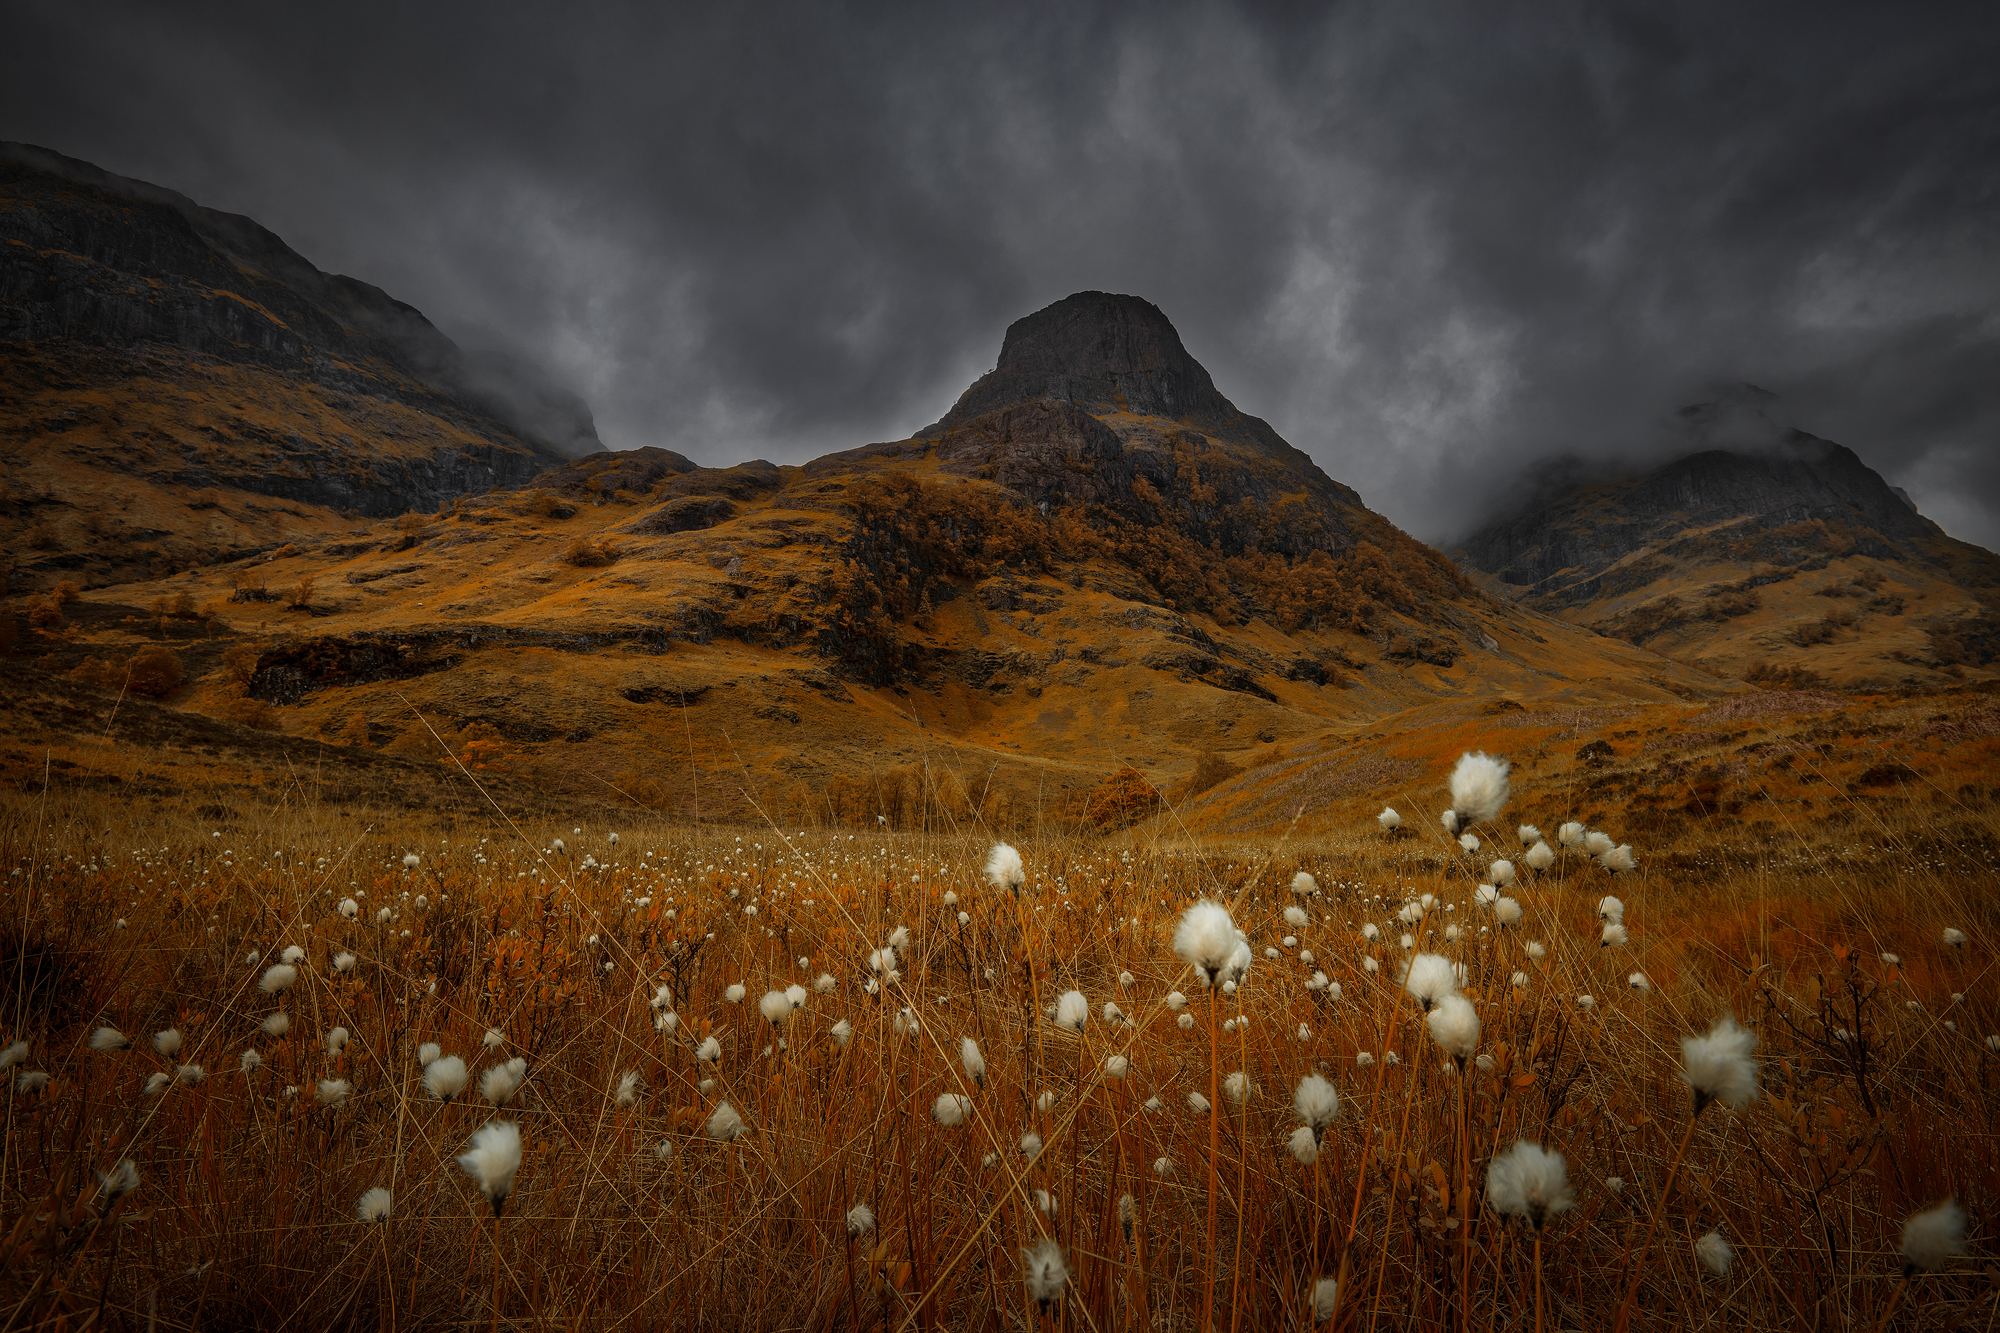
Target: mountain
(1093,579)
(183,368)
(1781,556)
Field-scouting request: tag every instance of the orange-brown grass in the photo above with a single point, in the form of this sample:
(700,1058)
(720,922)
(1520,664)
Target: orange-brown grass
(635,1217)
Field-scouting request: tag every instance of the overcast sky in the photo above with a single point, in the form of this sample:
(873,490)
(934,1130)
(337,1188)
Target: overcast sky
(1431,243)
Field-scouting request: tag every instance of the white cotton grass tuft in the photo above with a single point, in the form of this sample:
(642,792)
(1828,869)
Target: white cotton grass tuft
(1530,1182)
(1954,937)
(1072,1011)
(375,1205)
(1719,1066)
(1238,1087)
(1529,835)
(1571,835)
(332,1091)
(627,1094)
(1304,885)
(276,1023)
(1639,981)
(1454,1025)
(1614,936)
(336,1041)
(1003,869)
(860,1220)
(972,1061)
(1303,1146)
(428,1052)
(952,1108)
(1389,819)
(349,908)
(247,1062)
(1205,939)
(824,984)
(343,962)
(1501,873)
(725,1125)
(841,1032)
(444,1077)
(1468,843)
(1031,1144)
(1450,821)
(1507,912)
(1044,1272)
(1295,917)
(776,1006)
(109,1039)
(1479,787)
(796,995)
(157,1083)
(1597,844)
(1429,977)
(292,953)
(493,1158)
(119,1181)
(1326,1299)
(499,1084)
(1116,1066)
(1619,860)
(1610,909)
(1316,1102)
(167,1044)
(735,992)
(494,1039)
(1933,1237)
(1540,857)
(1197,1103)
(277,978)
(1715,1253)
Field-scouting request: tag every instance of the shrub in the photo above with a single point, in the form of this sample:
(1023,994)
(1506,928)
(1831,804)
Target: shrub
(587,554)
(44,537)
(300,597)
(45,613)
(1766,675)
(67,591)
(154,671)
(1121,800)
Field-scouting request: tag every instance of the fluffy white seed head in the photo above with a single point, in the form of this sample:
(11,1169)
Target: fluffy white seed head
(1326,1299)
(277,978)
(1316,1102)
(444,1077)
(1530,1182)
(109,1039)
(860,1220)
(493,1158)
(1295,917)
(1507,911)
(1934,1237)
(725,1125)
(332,1091)
(189,1075)
(1954,937)
(1610,909)
(428,1052)
(167,1044)
(1429,977)
(1031,1143)
(1206,938)
(953,1108)
(1529,834)
(336,1041)
(627,1094)
(1072,1011)
(1639,981)
(157,1083)
(735,992)
(841,1032)
(1468,843)
(1570,835)
(973,1061)
(247,1063)
(1304,885)
(1303,1146)
(1450,821)
(292,953)
(1614,936)
(276,1024)
(1715,1253)
(1044,1271)
(1719,1066)
(349,908)
(1389,819)
(1479,787)
(1619,860)
(1540,857)
(776,1006)
(1454,1025)
(499,1084)
(1501,872)
(1197,1103)
(1597,844)
(1003,867)
(1238,1087)
(120,1180)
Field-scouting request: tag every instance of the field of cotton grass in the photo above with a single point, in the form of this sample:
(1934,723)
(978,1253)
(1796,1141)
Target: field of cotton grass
(1444,1072)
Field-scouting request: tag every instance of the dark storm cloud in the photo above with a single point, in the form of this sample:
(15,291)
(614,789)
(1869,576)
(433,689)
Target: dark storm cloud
(1430,243)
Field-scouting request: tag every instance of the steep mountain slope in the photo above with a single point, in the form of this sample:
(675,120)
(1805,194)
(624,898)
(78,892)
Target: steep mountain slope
(176,381)
(1780,557)
(987,620)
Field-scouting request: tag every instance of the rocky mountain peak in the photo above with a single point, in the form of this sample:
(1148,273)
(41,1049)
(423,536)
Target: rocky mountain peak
(1107,355)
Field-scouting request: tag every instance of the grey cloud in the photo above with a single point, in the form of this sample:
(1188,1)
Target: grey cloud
(1430,243)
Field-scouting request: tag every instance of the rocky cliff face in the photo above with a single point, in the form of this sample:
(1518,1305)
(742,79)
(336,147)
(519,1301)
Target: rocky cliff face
(101,276)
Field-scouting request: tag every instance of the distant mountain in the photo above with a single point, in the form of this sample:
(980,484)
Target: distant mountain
(1782,554)
(152,340)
